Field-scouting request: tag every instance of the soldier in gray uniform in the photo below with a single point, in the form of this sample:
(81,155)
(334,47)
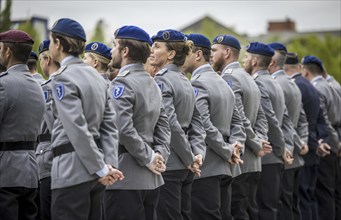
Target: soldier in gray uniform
(84,136)
(98,56)
(289,208)
(144,132)
(32,66)
(225,135)
(44,149)
(328,169)
(247,94)
(256,61)
(21,113)
(187,145)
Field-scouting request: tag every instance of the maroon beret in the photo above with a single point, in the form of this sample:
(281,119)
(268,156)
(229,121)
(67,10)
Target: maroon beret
(15,36)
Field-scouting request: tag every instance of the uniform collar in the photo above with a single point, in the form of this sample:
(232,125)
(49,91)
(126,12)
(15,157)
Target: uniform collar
(67,60)
(204,68)
(18,67)
(296,75)
(131,66)
(317,78)
(232,65)
(278,73)
(172,67)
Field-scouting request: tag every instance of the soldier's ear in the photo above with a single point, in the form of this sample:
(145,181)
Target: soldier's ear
(171,54)
(125,52)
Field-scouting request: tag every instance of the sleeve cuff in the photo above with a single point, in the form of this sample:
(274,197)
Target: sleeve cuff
(151,161)
(103,172)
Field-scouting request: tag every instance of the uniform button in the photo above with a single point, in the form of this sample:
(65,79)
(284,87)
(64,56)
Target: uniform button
(41,151)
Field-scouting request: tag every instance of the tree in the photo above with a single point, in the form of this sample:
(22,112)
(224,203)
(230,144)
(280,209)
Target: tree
(5,16)
(30,30)
(99,32)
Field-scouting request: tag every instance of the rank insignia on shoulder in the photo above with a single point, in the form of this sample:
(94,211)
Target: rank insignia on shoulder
(229,71)
(59,87)
(160,84)
(118,91)
(161,72)
(196,91)
(196,76)
(255,76)
(45,82)
(229,83)
(314,84)
(3,74)
(124,73)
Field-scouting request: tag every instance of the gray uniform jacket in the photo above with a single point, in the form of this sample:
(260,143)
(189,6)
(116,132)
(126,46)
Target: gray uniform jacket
(143,127)
(37,76)
(21,114)
(330,104)
(83,116)
(188,134)
(221,120)
(293,103)
(44,149)
(248,98)
(336,86)
(273,103)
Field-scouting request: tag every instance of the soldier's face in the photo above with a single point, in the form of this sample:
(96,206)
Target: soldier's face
(53,49)
(218,53)
(3,54)
(160,55)
(43,60)
(88,59)
(188,66)
(247,63)
(116,58)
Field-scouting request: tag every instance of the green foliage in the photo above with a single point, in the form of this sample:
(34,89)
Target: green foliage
(327,48)
(99,32)
(5,17)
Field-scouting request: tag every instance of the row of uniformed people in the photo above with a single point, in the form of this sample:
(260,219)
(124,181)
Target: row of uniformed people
(169,53)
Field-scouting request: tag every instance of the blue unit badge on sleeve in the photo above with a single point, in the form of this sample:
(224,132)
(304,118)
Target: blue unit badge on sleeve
(118,91)
(196,92)
(229,82)
(59,91)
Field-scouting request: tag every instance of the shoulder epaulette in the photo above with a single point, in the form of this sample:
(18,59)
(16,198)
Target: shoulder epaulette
(45,82)
(292,79)
(161,72)
(228,71)
(60,70)
(3,74)
(255,76)
(196,76)
(124,73)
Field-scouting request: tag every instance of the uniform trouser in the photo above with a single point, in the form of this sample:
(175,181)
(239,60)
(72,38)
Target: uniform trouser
(307,193)
(175,195)
(338,192)
(45,198)
(81,202)
(130,204)
(268,193)
(289,208)
(210,198)
(17,203)
(326,186)
(244,190)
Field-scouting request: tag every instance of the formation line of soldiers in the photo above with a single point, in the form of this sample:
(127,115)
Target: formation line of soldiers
(124,134)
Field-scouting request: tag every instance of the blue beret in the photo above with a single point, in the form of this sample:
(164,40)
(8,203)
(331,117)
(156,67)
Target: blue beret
(169,35)
(132,32)
(15,36)
(33,55)
(199,40)
(44,46)
(291,58)
(70,28)
(99,48)
(260,48)
(312,59)
(228,40)
(278,46)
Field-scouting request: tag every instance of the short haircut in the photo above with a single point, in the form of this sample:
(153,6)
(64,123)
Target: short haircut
(182,49)
(205,51)
(313,68)
(280,57)
(20,51)
(70,45)
(138,51)
(32,64)
(263,61)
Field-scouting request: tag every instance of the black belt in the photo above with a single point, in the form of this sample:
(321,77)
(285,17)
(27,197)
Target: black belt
(19,145)
(66,148)
(44,137)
